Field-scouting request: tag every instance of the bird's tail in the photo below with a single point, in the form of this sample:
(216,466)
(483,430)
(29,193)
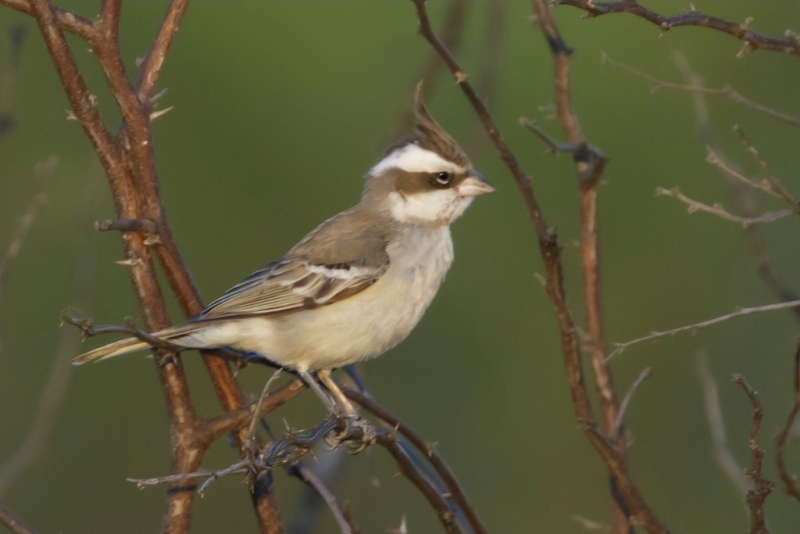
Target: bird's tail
(132,344)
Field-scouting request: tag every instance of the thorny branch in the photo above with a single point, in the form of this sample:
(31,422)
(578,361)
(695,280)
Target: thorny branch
(725,91)
(761,488)
(741,31)
(769,186)
(551,255)
(719,211)
(128,162)
(620,347)
(790,480)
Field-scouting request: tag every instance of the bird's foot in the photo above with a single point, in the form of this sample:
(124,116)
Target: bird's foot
(353,431)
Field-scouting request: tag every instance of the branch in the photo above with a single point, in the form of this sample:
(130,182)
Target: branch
(551,256)
(313,481)
(722,453)
(725,91)
(762,488)
(742,194)
(719,211)
(616,432)
(13,523)
(741,31)
(790,480)
(65,19)
(620,347)
(427,449)
(767,186)
(590,163)
(151,66)
(43,173)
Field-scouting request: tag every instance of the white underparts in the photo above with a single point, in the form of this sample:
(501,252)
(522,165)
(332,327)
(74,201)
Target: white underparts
(412,158)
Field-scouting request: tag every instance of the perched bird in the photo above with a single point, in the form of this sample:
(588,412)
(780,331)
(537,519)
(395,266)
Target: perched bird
(356,285)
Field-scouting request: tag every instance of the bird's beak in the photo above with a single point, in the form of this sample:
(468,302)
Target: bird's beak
(475,184)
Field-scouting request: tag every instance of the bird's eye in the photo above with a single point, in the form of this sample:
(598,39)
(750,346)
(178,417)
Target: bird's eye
(443,178)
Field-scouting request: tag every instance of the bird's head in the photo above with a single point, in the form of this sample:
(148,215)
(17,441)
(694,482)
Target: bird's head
(426,180)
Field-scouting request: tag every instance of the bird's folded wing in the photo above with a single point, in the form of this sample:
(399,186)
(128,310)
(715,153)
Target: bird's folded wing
(290,285)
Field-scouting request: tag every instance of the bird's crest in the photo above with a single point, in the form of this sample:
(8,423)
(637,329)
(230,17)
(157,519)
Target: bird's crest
(430,136)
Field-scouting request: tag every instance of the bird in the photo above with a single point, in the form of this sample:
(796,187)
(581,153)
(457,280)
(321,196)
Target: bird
(356,285)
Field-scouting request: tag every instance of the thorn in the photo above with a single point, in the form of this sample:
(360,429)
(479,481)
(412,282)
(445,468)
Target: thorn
(460,77)
(139,61)
(156,97)
(691,7)
(746,49)
(746,24)
(71,116)
(156,114)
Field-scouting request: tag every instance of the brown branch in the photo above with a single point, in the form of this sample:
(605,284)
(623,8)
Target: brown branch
(762,488)
(589,163)
(741,31)
(427,449)
(186,452)
(238,419)
(726,91)
(151,66)
(14,523)
(551,256)
(313,481)
(65,19)
(388,440)
(790,480)
(719,211)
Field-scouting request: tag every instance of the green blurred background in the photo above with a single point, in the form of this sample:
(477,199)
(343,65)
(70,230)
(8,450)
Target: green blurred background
(279,109)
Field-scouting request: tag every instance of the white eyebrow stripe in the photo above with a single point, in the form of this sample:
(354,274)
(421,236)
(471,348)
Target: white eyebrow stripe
(412,158)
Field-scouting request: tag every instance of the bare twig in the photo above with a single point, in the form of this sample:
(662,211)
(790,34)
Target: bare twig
(242,466)
(722,453)
(43,173)
(761,488)
(741,31)
(623,407)
(766,186)
(620,347)
(725,91)
(776,184)
(719,211)
(790,480)
(742,193)
(306,475)
(551,256)
(13,523)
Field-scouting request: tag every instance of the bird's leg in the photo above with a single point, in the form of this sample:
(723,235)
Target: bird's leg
(325,376)
(329,403)
(352,419)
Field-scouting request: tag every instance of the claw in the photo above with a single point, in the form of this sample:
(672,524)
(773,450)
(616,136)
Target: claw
(357,434)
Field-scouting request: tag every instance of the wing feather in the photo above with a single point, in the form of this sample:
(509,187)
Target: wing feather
(293,285)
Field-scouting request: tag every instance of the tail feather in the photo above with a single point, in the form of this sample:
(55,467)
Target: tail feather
(132,344)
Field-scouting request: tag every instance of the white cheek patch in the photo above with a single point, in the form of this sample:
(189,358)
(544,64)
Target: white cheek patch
(412,158)
(431,207)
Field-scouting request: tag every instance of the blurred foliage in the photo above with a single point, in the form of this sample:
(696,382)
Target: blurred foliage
(280,108)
